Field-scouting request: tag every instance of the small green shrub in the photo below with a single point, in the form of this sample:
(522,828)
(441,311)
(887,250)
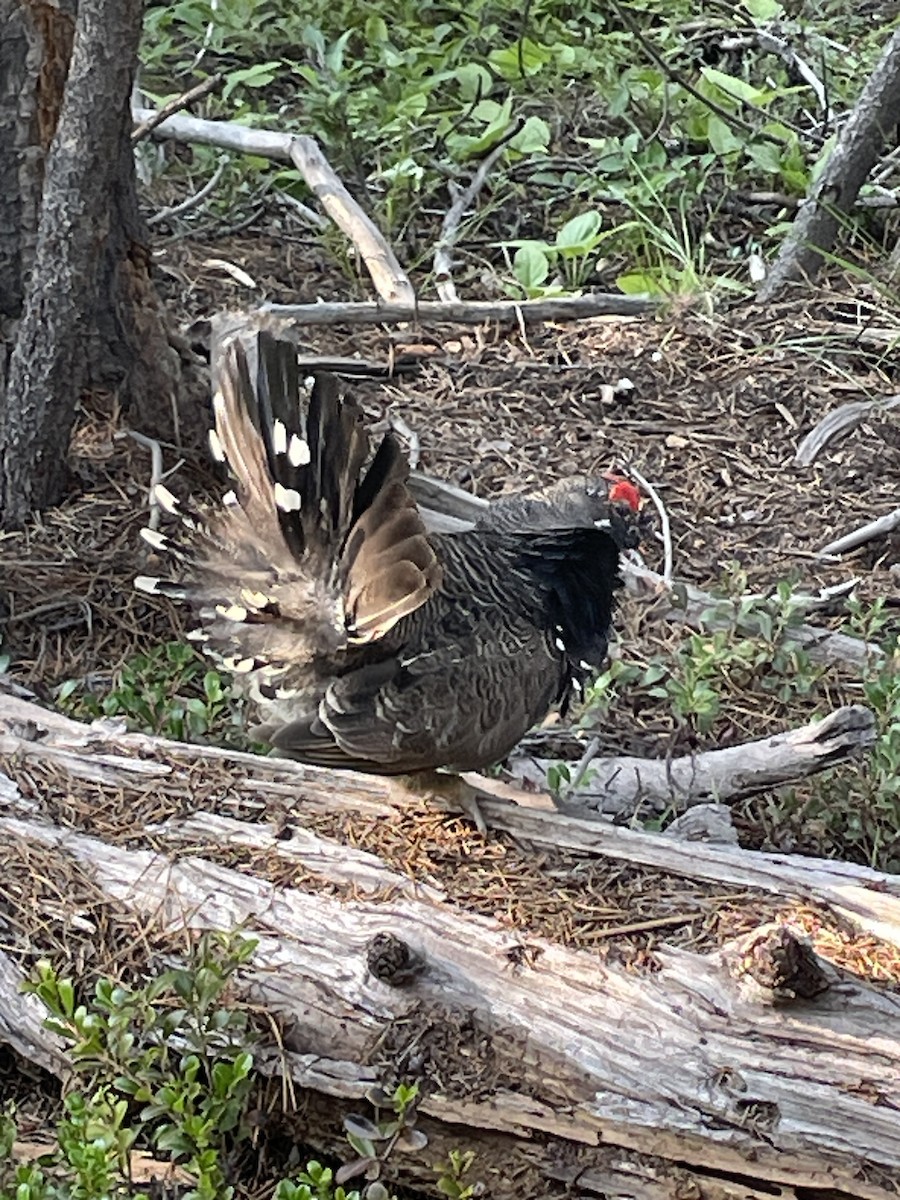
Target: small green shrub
(169,691)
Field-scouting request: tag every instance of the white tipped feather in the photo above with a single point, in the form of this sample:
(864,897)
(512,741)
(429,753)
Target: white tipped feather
(154,538)
(165,499)
(279,437)
(245,666)
(232,612)
(148,584)
(287,499)
(257,600)
(230,498)
(298,451)
(215,446)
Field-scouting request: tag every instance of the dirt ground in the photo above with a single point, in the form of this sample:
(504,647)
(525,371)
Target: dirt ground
(711,411)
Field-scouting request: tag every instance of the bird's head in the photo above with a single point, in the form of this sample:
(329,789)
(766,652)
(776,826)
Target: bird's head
(623,491)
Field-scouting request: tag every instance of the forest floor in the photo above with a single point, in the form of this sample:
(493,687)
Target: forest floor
(710,410)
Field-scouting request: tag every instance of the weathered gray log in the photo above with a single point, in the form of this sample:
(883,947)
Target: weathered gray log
(612,785)
(622,1075)
(591,1056)
(620,784)
(104,753)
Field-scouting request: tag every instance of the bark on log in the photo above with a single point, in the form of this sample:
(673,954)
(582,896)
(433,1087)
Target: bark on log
(759,1061)
(564,1054)
(391,281)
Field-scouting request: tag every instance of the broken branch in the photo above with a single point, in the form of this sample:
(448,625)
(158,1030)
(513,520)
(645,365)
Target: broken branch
(624,784)
(304,153)
(865,533)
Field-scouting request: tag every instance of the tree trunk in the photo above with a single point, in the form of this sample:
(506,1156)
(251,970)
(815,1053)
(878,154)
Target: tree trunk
(78,308)
(874,116)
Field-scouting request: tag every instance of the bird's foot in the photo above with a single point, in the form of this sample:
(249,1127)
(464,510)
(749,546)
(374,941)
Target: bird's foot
(450,791)
(464,791)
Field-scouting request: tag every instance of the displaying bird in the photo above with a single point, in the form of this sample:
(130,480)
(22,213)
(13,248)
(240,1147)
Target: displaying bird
(366,641)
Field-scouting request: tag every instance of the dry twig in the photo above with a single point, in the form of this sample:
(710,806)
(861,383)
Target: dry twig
(303,152)
(865,533)
(192,202)
(391,281)
(664,523)
(839,421)
(154,118)
(443,263)
(156,473)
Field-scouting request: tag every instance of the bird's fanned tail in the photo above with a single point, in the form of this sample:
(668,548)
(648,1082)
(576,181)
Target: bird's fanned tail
(305,554)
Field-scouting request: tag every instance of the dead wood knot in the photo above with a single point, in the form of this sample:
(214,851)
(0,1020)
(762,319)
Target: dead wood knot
(393,961)
(780,962)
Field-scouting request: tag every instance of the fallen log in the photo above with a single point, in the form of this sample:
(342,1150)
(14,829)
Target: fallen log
(627,784)
(759,1060)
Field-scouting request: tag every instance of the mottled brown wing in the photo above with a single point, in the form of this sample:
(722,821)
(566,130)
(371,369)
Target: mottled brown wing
(462,703)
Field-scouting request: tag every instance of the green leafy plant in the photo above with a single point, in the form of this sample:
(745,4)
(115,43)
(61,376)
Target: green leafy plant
(315,1183)
(168,691)
(407,98)
(373,1141)
(452,1175)
(169,1055)
(572,254)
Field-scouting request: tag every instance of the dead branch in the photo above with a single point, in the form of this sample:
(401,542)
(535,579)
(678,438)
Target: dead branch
(834,193)
(840,420)
(304,153)
(864,533)
(622,784)
(391,281)
(701,610)
(442,265)
(464,312)
(610,785)
(177,104)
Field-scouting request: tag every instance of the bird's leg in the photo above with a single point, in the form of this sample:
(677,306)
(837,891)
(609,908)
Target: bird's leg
(463,792)
(449,790)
